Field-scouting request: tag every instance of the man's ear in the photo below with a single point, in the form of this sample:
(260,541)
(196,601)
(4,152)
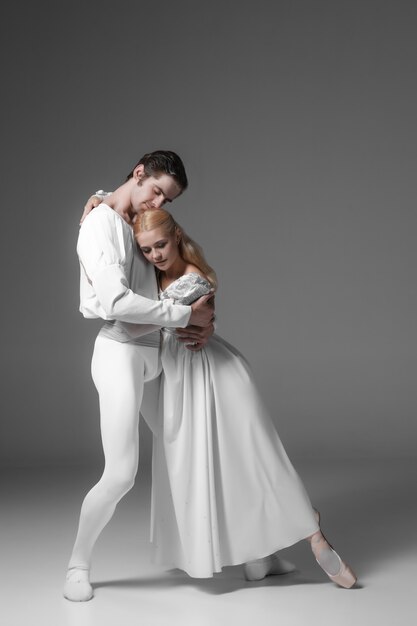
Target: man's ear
(138,172)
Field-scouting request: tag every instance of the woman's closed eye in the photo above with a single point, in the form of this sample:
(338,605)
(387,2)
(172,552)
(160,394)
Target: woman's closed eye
(160,245)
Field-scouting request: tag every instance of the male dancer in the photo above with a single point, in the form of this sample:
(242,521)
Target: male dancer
(118,286)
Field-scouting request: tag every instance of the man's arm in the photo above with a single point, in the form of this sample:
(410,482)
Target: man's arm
(101,253)
(116,296)
(121,303)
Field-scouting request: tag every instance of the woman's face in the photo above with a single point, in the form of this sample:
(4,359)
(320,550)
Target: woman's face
(159,248)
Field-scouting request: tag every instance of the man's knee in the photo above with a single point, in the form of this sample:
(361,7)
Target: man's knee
(118,483)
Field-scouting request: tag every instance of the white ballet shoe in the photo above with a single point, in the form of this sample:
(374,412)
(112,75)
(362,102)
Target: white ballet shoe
(272,565)
(77,586)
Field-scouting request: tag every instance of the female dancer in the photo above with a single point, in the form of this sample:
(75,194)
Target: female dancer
(224,491)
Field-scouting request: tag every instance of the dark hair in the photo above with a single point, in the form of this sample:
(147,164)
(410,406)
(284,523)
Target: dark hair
(163,162)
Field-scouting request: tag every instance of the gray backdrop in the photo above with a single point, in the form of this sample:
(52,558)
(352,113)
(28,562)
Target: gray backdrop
(297,124)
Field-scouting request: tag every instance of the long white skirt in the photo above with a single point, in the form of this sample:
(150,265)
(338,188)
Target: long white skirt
(224,491)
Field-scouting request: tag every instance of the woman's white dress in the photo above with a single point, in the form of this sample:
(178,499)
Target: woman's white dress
(224,491)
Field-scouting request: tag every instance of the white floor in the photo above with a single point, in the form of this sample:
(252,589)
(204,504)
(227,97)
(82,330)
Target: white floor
(368,512)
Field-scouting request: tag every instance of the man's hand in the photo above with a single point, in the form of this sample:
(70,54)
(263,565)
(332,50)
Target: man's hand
(200,327)
(202,311)
(195,337)
(92,202)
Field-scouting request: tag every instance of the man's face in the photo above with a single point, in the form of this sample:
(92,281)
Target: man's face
(151,192)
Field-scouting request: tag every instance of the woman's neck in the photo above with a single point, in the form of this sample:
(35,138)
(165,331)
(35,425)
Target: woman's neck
(174,272)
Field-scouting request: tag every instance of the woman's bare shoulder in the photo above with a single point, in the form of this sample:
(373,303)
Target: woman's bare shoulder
(193,269)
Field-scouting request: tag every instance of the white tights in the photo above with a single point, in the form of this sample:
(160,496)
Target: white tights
(119,372)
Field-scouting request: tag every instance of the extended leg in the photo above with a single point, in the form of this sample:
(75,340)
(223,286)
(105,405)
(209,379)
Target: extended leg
(118,372)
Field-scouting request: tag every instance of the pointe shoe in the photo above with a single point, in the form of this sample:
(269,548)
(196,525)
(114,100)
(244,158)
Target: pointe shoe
(344,577)
(77,586)
(272,565)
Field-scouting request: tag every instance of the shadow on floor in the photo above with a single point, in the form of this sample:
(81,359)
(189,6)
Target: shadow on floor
(220,584)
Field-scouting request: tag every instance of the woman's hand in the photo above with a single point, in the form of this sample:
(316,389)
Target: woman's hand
(92,202)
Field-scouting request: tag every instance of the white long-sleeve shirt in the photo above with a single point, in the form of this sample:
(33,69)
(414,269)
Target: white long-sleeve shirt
(116,281)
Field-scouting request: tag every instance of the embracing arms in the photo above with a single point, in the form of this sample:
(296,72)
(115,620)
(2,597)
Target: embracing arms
(200,325)
(106,251)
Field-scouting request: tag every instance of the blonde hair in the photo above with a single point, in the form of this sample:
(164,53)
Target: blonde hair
(189,250)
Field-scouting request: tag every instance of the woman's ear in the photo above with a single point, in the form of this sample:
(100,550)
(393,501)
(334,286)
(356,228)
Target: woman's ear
(178,234)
